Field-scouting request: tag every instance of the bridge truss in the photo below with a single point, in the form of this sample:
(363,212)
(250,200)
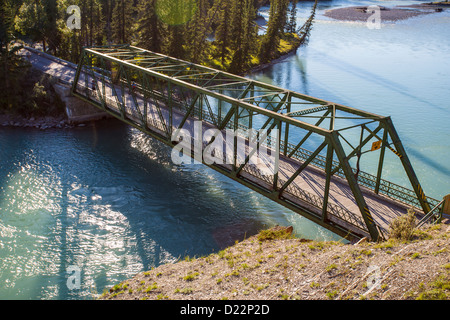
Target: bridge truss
(162,96)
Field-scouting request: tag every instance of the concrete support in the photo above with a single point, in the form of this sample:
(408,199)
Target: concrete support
(77,110)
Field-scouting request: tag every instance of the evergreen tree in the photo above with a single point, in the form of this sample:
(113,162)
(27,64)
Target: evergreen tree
(175,41)
(268,42)
(150,29)
(38,19)
(122,22)
(96,23)
(247,34)
(283,6)
(276,25)
(84,32)
(291,26)
(8,8)
(107,11)
(250,32)
(236,24)
(223,30)
(176,14)
(11,65)
(92,26)
(31,21)
(51,30)
(70,41)
(198,29)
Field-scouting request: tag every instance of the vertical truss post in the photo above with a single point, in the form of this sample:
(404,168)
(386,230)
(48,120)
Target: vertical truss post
(145,87)
(114,93)
(78,72)
(277,156)
(219,107)
(152,94)
(356,190)
(407,166)
(235,148)
(362,143)
(286,129)
(328,168)
(200,108)
(250,120)
(88,60)
(134,100)
(122,93)
(381,160)
(97,89)
(103,80)
(170,127)
(333,117)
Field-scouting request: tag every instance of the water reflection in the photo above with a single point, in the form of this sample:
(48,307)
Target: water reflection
(108,200)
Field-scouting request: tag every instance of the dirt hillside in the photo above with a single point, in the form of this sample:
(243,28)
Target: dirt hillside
(273,265)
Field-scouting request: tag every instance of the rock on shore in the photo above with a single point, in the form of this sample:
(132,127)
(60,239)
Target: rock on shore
(42,123)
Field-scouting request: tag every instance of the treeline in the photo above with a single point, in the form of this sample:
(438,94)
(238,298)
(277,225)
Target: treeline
(180,28)
(219,33)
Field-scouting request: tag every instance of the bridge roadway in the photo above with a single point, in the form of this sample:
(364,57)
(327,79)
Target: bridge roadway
(58,68)
(305,192)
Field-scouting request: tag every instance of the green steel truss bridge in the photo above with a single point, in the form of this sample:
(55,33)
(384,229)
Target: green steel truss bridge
(329,158)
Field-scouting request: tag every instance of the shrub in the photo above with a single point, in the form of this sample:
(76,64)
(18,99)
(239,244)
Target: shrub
(191,276)
(403,227)
(331,267)
(277,233)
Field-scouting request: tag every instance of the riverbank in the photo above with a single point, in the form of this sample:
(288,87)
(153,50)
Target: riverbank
(288,46)
(282,56)
(38,104)
(272,266)
(361,13)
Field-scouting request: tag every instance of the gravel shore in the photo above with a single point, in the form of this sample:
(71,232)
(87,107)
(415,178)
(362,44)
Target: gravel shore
(360,13)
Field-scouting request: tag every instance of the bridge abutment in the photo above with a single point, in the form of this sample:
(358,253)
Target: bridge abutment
(77,110)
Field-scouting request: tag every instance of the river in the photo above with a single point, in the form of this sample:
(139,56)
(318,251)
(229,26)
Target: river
(103,202)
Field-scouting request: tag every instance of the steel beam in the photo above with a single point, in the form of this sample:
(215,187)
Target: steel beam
(407,165)
(354,186)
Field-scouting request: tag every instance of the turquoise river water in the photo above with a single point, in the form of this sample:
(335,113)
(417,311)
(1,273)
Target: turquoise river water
(108,201)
